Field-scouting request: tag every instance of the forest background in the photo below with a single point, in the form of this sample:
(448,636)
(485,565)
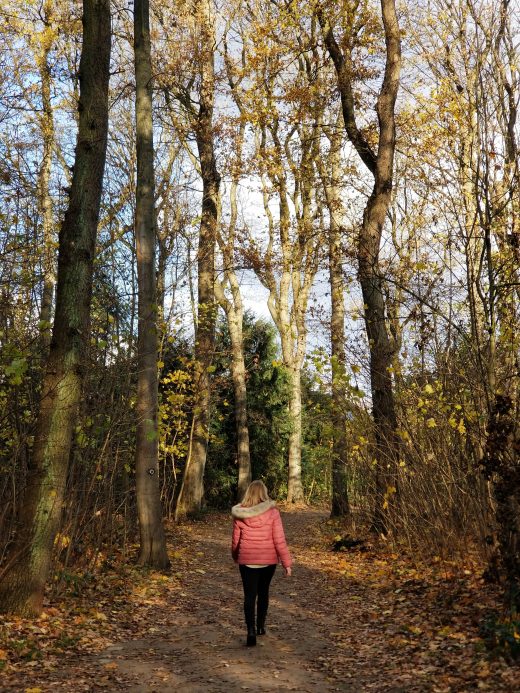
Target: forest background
(305,272)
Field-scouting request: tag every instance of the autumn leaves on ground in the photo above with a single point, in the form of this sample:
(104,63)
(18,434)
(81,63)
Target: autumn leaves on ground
(350,621)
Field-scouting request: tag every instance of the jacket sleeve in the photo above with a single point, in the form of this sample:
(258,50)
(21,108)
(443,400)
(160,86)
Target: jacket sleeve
(280,543)
(235,540)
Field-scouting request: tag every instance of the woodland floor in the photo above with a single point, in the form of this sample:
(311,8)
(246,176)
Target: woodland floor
(357,621)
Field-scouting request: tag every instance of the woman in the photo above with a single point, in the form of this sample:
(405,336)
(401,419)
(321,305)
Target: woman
(258,545)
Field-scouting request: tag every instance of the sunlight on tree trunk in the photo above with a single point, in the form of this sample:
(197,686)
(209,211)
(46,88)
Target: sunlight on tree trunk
(295,486)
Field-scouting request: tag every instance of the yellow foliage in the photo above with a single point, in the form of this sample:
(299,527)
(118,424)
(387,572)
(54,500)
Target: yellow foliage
(403,434)
(61,541)
(173,413)
(390,490)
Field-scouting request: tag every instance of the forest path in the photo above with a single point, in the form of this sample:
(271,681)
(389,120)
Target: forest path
(352,622)
(200,645)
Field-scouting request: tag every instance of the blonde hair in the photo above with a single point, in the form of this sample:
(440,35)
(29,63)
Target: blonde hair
(256,493)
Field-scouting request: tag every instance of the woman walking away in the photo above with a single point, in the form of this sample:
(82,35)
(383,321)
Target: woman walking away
(258,545)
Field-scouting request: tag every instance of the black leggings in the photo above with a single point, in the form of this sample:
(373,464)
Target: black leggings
(256,582)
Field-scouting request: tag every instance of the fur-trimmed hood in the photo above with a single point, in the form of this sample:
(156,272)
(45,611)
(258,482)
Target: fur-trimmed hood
(240,513)
(258,536)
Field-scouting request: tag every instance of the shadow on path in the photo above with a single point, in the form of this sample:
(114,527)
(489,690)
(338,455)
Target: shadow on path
(352,623)
(201,647)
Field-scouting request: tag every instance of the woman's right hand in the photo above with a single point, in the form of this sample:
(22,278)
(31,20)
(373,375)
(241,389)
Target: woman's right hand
(288,572)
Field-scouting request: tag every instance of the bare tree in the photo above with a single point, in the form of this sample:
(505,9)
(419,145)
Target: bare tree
(289,281)
(380,165)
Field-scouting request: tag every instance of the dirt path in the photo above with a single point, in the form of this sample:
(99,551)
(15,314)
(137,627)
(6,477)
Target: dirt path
(200,647)
(356,622)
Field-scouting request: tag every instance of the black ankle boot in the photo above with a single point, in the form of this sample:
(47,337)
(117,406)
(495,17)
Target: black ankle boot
(260,624)
(251,636)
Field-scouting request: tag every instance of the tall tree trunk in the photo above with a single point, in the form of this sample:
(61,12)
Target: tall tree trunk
(380,165)
(293,353)
(340,504)
(238,375)
(23,581)
(235,315)
(295,487)
(44,195)
(383,406)
(233,306)
(153,541)
(288,298)
(192,489)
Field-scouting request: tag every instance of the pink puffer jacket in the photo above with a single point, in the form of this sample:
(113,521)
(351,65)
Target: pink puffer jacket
(258,536)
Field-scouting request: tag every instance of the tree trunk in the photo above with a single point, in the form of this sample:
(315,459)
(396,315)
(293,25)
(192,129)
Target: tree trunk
(23,582)
(234,315)
(501,464)
(295,487)
(288,298)
(382,351)
(153,541)
(234,310)
(45,200)
(330,180)
(238,374)
(192,489)
(383,407)
(340,504)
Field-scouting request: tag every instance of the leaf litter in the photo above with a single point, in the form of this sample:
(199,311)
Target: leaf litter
(370,620)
